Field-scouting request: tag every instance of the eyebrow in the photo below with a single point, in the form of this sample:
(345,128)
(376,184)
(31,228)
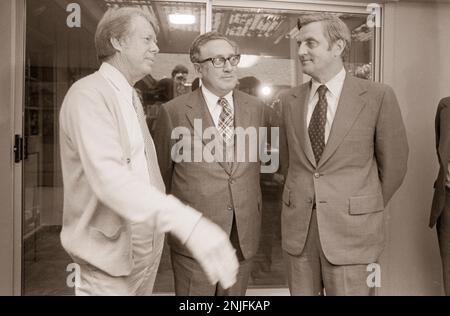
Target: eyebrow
(217,56)
(308,39)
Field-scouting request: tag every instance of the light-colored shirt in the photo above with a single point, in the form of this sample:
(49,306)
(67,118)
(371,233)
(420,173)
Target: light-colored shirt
(333,94)
(124,93)
(214,108)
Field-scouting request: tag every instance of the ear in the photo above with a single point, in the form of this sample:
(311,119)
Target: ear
(117,44)
(198,69)
(338,47)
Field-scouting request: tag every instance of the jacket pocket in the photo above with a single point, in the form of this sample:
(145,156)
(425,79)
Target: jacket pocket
(110,232)
(366,204)
(107,223)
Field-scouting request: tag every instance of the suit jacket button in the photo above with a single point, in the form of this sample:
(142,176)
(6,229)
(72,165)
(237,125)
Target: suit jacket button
(230,208)
(317,175)
(128,160)
(231,181)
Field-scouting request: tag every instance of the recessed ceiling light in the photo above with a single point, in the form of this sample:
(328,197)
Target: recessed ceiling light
(266,91)
(183,19)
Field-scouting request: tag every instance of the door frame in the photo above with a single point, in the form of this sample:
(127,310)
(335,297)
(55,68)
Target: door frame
(13,26)
(12,52)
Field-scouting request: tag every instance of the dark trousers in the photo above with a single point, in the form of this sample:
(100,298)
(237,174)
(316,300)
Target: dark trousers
(443,231)
(190,280)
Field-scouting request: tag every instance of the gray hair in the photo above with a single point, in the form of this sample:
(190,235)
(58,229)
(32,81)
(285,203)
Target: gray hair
(334,29)
(116,23)
(202,39)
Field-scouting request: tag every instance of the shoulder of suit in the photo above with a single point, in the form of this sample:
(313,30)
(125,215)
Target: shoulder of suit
(94,85)
(292,91)
(90,82)
(444,102)
(369,84)
(180,100)
(248,97)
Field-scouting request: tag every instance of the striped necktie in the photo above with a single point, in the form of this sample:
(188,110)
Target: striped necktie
(150,152)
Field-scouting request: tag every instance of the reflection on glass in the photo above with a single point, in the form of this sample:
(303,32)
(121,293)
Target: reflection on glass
(57,55)
(267,41)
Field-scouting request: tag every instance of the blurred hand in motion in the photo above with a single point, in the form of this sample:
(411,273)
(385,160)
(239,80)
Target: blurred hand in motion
(212,249)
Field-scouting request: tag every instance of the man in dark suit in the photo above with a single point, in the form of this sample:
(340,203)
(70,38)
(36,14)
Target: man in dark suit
(226,189)
(344,149)
(440,210)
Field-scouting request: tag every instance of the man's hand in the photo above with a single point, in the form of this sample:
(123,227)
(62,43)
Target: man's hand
(212,249)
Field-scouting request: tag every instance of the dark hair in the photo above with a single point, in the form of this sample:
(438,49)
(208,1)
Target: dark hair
(179,69)
(334,29)
(202,39)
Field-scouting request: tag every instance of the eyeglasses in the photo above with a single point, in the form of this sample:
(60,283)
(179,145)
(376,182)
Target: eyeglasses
(219,62)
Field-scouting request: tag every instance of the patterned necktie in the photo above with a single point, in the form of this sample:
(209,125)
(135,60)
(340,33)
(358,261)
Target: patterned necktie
(150,152)
(226,122)
(316,127)
(226,130)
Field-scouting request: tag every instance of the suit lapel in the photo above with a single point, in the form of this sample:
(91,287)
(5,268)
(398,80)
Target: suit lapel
(242,118)
(298,108)
(350,105)
(198,110)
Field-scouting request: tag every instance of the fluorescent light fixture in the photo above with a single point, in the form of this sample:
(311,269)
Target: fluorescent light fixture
(182,19)
(248,61)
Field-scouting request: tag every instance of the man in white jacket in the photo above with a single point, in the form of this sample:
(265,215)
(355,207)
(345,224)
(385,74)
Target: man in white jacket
(115,207)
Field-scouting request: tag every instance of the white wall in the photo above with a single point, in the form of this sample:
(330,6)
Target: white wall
(417,65)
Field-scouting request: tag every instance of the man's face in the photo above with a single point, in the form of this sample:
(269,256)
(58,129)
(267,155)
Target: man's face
(219,81)
(318,58)
(180,78)
(139,48)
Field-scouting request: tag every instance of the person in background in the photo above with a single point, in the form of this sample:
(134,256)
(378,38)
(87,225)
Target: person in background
(175,85)
(440,209)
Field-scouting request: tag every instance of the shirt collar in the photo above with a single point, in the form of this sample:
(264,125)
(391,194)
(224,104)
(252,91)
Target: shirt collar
(212,99)
(334,85)
(117,79)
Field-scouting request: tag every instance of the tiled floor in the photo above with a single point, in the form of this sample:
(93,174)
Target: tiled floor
(45,261)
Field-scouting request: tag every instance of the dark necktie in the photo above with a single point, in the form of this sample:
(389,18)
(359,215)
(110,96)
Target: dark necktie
(316,129)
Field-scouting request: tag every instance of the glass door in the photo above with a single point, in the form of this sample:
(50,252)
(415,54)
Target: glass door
(269,66)
(59,51)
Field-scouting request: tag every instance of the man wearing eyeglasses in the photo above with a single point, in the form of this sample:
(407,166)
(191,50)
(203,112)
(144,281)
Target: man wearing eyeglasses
(226,191)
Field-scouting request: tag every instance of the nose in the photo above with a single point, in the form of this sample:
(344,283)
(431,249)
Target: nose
(227,67)
(154,49)
(302,49)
